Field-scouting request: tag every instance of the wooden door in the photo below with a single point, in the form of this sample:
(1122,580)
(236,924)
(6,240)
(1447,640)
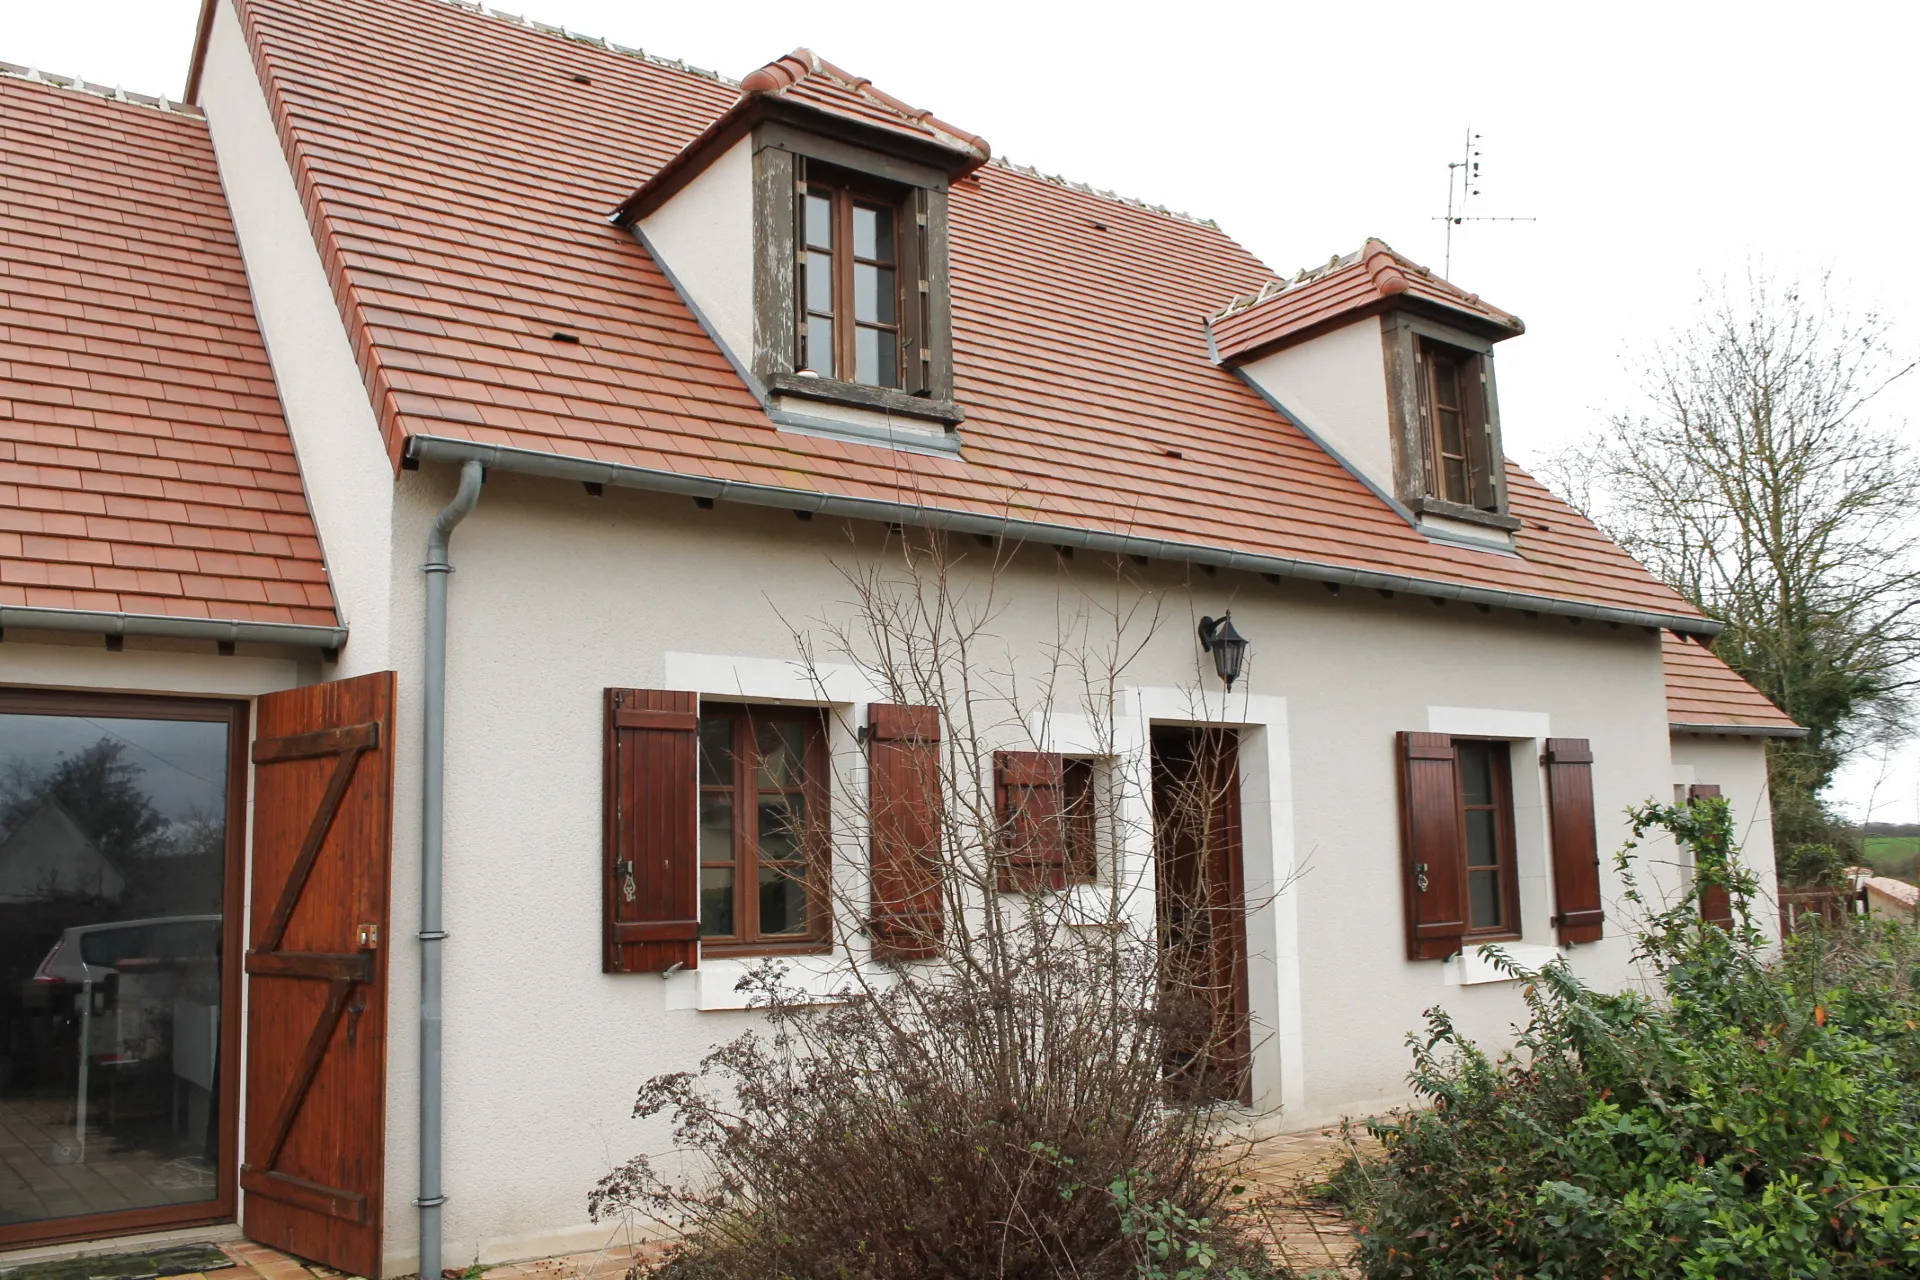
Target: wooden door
(1199,887)
(317,973)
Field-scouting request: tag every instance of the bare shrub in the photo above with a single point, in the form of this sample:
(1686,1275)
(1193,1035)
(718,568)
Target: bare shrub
(1040,1096)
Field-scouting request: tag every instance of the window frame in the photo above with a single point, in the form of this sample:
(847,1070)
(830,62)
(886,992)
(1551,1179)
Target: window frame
(1080,816)
(747,939)
(786,160)
(845,192)
(1406,340)
(237,715)
(1506,864)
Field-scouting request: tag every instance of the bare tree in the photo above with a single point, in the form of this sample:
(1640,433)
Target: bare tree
(1753,478)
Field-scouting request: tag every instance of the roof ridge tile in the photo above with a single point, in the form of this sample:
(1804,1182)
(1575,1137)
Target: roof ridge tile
(113,93)
(479,9)
(1087,189)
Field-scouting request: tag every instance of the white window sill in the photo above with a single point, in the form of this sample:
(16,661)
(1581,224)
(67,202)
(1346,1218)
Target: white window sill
(1472,967)
(715,985)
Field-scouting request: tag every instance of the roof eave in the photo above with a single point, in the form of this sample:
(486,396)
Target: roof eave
(1737,730)
(430,448)
(225,630)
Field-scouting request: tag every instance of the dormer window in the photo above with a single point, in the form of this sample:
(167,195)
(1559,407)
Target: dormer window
(1453,426)
(850,280)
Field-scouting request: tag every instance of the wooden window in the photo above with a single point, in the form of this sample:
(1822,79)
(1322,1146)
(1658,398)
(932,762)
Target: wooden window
(1454,420)
(1484,789)
(1576,849)
(1456,824)
(852,305)
(762,828)
(1077,793)
(1716,903)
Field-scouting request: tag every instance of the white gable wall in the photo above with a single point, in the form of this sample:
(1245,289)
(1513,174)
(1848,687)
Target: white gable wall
(1335,385)
(704,236)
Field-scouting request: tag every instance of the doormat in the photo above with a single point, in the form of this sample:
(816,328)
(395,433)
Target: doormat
(148,1264)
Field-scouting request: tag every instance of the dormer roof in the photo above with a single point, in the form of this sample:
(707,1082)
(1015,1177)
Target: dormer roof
(1366,282)
(804,88)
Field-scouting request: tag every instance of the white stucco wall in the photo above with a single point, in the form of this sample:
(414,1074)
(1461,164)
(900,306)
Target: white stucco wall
(1738,766)
(704,236)
(559,595)
(1336,386)
(343,459)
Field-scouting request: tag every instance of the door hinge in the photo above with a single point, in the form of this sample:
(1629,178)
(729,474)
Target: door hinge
(367,937)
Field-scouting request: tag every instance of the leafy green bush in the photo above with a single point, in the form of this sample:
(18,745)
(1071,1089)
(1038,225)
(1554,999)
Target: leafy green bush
(1753,1116)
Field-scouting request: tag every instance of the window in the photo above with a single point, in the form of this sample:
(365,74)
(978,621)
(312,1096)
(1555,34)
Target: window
(1077,808)
(1448,461)
(849,283)
(1485,798)
(762,828)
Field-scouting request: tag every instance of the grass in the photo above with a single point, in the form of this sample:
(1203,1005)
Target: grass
(1893,856)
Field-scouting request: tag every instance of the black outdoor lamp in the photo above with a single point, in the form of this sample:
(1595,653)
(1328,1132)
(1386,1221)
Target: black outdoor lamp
(1228,647)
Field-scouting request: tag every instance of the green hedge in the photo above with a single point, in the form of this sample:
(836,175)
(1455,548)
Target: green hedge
(1749,1114)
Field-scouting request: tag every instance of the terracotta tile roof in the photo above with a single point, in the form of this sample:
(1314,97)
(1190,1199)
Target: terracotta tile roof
(1704,691)
(803,76)
(1364,282)
(145,467)
(459,177)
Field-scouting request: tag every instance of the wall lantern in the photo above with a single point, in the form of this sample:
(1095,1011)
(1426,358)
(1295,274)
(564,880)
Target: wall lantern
(1228,647)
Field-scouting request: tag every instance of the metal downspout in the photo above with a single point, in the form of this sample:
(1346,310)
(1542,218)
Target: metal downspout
(432,782)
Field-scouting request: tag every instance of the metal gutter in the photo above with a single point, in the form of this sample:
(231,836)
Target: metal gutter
(1739,730)
(231,631)
(426,448)
(433,747)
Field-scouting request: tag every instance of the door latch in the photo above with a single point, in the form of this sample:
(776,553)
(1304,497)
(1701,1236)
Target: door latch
(367,937)
(1420,876)
(629,890)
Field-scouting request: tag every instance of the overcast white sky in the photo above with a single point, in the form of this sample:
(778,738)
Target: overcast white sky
(1655,143)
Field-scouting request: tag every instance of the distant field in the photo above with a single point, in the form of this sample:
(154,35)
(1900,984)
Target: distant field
(1893,855)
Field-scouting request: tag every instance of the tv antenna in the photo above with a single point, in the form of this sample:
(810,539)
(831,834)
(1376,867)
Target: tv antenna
(1463,183)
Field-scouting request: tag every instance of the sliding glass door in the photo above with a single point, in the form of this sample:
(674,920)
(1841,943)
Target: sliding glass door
(121,824)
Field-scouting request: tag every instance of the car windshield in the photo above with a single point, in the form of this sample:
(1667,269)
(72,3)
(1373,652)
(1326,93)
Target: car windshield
(151,940)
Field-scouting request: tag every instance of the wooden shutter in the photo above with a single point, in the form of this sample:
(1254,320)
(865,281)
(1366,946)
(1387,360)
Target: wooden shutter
(1576,850)
(317,972)
(1430,842)
(903,797)
(1029,797)
(1716,904)
(651,877)
(1483,462)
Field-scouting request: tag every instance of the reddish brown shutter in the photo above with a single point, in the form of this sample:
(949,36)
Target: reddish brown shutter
(317,972)
(903,771)
(1716,904)
(1028,794)
(1576,851)
(651,880)
(1435,873)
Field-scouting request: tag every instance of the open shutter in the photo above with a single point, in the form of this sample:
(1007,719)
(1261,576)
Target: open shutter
(1716,904)
(1576,850)
(1430,844)
(1029,795)
(317,972)
(903,771)
(651,880)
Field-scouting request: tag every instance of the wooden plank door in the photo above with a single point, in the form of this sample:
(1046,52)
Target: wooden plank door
(317,973)
(1200,889)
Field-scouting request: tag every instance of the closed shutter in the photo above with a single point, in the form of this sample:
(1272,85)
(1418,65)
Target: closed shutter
(1716,904)
(651,880)
(903,797)
(1028,793)
(1430,844)
(1576,850)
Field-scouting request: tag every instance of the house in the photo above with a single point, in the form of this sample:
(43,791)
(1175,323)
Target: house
(48,855)
(476,418)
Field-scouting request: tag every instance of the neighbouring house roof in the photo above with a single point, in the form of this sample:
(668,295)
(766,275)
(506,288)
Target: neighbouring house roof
(145,467)
(459,177)
(1705,695)
(1365,282)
